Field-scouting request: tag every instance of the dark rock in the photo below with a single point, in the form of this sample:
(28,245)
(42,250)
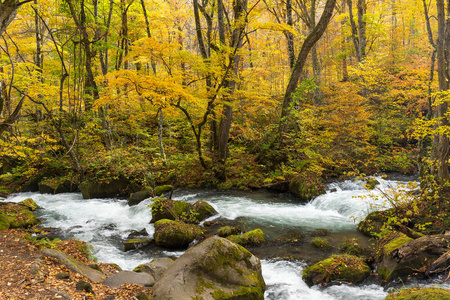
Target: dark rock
(168,209)
(305,188)
(134,244)
(63,275)
(228,230)
(135,234)
(114,188)
(138,197)
(84,286)
(200,211)
(214,269)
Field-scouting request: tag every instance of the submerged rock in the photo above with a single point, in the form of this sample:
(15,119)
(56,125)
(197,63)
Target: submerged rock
(431,293)
(177,235)
(321,243)
(134,244)
(347,268)
(214,269)
(228,230)
(253,238)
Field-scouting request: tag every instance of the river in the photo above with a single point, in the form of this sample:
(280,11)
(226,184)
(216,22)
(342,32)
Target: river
(106,223)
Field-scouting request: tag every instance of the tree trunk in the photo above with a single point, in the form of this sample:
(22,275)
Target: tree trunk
(8,11)
(362,28)
(309,42)
(440,141)
(289,35)
(354,31)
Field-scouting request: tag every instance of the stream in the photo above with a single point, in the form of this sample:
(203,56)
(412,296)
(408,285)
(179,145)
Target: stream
(106,224)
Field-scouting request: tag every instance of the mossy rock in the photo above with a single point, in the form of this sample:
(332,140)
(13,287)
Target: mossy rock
(111,189)
(48,186)
(372,224)
(19,216)
(30,204)
(321,243)
(431,293)
(252,238)
(4,221)
(371,183)
(162,189)
(305,187)
(175,235)
(346,268)
(213,269)
(352,247)
(134,244)
(228,230)
(138,197)
(169,209)
(200,211)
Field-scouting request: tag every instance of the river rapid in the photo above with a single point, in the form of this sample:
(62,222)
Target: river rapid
(106,223)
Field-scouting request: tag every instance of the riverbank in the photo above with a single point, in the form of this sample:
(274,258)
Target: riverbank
(28,274)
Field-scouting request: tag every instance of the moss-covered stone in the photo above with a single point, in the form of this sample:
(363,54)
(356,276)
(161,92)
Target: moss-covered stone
(173,234)
(200,211)
(162,189)
(306,187)
(4,221)
(138,197)
(136,244)
(321,243)
(373,223)
(228,230)
(114,188)
(347,268)
(30,204)
(352,247)
(19,216)
(416,293)
(169,209)
(254,237)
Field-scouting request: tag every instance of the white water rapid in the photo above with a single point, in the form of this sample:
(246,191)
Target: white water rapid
(105,223)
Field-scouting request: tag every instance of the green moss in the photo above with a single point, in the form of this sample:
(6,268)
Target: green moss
(321,243)
(228,230)
(306,186)
(371,183)
(352,247)
(4,222)
(161,189)
(175,234)
(243,293)
(346,268)
(20,217)
(373,223)
(200,211)
(395,244)
(30,204)
(420,293)
(168,209)
(136,244)
(254,237)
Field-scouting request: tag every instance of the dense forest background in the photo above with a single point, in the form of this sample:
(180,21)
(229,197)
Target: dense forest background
(197,93)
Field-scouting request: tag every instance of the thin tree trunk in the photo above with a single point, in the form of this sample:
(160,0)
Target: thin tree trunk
(354,31)
(309,42)
(289,35)
(362,28)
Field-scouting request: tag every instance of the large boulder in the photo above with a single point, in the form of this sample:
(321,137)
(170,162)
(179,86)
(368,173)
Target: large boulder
(346,268)
(114,188)
(306,187)
(251,238)
(162,189)
(174,234)
(373,223)
(169,209)
(214,269)
(156,267)
(57,186)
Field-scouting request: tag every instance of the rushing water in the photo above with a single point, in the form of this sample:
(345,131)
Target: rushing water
(106,223)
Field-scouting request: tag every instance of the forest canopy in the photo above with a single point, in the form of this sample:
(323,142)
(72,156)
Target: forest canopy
(228,94)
